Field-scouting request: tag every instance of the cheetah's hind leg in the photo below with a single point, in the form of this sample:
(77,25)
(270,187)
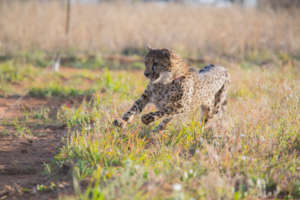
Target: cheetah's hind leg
(207,115)
(220,104)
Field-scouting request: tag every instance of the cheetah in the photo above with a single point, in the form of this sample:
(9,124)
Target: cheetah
(175,88)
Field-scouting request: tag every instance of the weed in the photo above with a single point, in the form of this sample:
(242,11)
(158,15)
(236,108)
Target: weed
(21,128)
(45,188)
(42,113)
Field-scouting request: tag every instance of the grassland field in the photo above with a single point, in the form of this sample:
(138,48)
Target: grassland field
(255,157)
(56,135)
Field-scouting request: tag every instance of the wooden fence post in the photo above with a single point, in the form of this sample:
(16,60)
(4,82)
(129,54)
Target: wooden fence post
(56,62)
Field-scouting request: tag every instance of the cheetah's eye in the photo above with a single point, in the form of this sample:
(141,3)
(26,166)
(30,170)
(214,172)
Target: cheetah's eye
(154,66)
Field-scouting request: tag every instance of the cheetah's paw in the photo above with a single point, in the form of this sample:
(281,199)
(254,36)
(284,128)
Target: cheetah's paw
(119,123)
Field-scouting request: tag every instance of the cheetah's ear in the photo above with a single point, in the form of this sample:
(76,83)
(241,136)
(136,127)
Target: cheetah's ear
(148,47)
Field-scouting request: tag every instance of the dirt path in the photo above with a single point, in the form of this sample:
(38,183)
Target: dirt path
(23,158)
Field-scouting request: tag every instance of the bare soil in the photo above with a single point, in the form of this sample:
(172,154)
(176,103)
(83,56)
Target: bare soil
(23,158)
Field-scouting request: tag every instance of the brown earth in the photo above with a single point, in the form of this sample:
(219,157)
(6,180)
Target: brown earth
(23,158)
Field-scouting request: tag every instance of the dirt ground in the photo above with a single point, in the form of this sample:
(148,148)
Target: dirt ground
(23,159)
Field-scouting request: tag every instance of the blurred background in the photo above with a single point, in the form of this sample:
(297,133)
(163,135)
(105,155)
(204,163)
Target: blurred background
(98,30)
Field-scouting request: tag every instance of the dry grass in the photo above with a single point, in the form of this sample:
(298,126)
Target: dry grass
(255,157)
(114,27)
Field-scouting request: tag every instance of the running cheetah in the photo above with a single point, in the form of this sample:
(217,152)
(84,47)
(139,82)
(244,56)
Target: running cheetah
(174,88)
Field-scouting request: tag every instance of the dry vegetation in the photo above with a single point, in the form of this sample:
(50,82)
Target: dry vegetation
(256,156)
(115,27)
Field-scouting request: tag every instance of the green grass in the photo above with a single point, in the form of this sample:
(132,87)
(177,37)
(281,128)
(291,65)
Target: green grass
(255,156)
(77,60)
(258,156)
(54,91)
(11,74)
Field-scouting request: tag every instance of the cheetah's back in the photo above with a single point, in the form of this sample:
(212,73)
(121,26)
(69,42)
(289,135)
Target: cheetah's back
(209,82)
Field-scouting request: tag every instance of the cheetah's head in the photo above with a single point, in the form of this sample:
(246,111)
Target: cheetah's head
(162,66)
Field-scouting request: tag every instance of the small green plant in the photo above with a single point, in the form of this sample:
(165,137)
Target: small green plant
(42,188)
(42,113)
(21,128)
(45,188)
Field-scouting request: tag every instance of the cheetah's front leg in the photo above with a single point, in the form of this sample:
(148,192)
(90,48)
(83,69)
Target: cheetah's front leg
(152,116)
(136,108)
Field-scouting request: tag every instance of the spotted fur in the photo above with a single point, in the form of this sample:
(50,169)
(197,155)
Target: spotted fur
(175,88)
